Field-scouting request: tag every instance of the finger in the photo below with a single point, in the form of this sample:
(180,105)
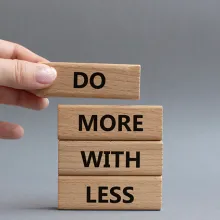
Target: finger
(25,75)
(22,98)
(10,131)
(10,50)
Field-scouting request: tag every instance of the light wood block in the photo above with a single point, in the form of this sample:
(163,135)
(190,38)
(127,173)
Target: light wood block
(110,122)
(116,81)
(108,158)
(110,192)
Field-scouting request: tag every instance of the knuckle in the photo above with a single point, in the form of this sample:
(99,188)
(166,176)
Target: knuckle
(20,72)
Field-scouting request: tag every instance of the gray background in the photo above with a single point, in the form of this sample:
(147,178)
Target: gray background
(178,45)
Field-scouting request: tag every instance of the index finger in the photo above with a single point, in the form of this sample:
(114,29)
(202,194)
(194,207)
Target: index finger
(10,50)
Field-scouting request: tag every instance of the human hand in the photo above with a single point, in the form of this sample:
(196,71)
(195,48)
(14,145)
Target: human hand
(21,72)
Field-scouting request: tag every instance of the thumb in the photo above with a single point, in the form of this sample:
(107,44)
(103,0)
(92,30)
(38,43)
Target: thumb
(25,75)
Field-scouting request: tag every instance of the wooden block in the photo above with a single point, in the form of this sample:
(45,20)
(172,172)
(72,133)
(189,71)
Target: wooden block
(94,80)
(110,192)
(109,158)
(109,122)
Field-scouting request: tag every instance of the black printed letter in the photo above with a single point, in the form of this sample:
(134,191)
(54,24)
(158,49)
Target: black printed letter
(82,119)
(136,123)
(125,123)
(130,196)
(75,82)
(93,157)
(137,159)
(88,193)
(102,80)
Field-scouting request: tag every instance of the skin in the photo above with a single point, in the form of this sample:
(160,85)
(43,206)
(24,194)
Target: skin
(18,77)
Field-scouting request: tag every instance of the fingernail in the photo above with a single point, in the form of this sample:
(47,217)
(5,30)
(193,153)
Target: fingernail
(45,75)
(44,104)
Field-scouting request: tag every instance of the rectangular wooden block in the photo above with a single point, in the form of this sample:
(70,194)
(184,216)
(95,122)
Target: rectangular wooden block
(110,192)
(109,158)
(94,80)
(110,122)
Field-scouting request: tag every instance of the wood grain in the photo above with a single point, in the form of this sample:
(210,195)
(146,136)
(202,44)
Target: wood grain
(122,81)
(73,194)
(69,122)
(73,158)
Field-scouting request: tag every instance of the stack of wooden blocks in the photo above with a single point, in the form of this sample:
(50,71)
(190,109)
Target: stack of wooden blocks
(109,156)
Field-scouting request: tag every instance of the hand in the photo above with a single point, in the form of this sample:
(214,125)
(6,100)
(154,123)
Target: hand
(21,72)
